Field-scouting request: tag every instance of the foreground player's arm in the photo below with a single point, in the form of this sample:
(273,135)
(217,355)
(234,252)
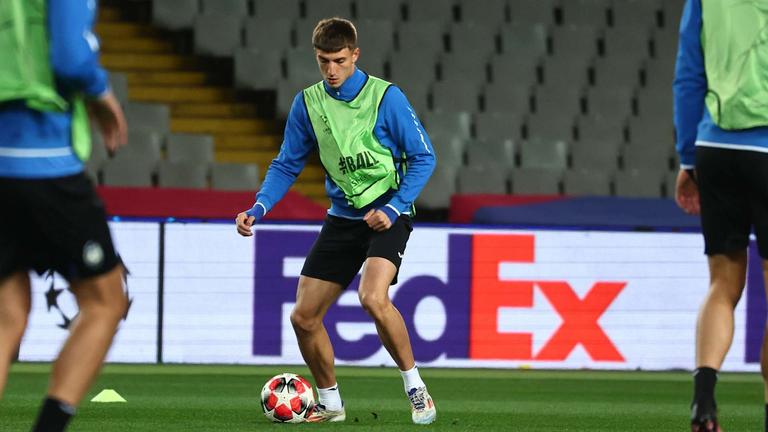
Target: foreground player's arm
(690,85)
(74,49)
(690,89)
(74,57)
(406,129)
(298,142)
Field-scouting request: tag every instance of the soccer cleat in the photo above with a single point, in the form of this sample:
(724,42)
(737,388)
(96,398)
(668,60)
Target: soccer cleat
(422,407)
(704,419)
(320,414)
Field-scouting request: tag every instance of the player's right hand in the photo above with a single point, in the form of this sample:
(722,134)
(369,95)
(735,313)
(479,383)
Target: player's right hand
(109,117)
(244,224)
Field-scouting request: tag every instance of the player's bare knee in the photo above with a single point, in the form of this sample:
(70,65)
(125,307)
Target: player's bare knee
(304,323)
(375,305)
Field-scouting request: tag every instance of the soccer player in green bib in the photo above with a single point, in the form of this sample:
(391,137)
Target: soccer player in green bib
(378,158)
(51,217)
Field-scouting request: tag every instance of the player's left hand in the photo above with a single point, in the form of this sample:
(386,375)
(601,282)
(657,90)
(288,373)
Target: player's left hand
(687,193)
(377,220)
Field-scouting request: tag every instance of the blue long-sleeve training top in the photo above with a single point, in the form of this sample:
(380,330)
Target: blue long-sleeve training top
(397,128)
(693,122)
(34,144)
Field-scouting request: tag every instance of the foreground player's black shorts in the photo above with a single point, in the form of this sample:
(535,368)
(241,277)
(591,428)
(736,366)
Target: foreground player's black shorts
(344,245)
(54,224)
(733,185)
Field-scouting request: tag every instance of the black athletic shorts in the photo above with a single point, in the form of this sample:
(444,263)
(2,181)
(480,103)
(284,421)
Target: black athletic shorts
(54,224)
(344,245)
(733,185)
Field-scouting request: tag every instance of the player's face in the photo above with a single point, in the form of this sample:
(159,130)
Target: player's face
(338,66)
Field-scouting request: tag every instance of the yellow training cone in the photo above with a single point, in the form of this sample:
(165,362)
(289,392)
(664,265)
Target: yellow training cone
(108,395)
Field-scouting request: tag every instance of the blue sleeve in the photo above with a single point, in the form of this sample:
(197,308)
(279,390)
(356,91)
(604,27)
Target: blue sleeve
(298,141)
(74,49)
(690,85)
(405,128)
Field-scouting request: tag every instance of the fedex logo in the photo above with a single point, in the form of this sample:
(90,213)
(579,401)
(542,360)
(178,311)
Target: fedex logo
(474,297)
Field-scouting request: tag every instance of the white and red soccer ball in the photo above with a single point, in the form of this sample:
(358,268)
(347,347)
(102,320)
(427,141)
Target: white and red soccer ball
(287,398)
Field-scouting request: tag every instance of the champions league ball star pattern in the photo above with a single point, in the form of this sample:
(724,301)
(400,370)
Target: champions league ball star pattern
(287,398)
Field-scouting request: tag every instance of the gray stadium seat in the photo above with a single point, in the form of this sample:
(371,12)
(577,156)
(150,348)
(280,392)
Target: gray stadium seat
(634,13)
(482,180)
(532,11)
(437,192)
(426,37)
(670,182)
(257,69)
(148,117)
(127,172)
(491,13)
(230,7)
(664,45)
(658,75)
(534,181)
(651,133)
(234,176)
(142,145)
(456,124)
(566,70)
(507,97)
(276,9)
(301,66)
(455,95)
(375,38)
(598,156)
(549,127)
(372,65)
(218,34)
(486,152)
(558,99)
(592,13)
(524,40)
(379,10)
(498,126)
(449,148)
(412,68)
(429,10)
(184,175)
(506,69)
(321,9)
(119,84)
(268,34)
(638,184)
(475,40)
(302,33)
(194,148)
(174,14)
(594,129)
(655,104)
(610,72)
(631,43)
(579,41)
(636,157)
(672,12)
(286,92)
(543,153)
(614,103)
(462,67)
(580,182)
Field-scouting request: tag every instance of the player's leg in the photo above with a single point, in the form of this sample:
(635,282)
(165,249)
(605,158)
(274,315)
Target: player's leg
(378,274)
(313,298)
(380,271)
(331,265)
(102,304)
(14,309)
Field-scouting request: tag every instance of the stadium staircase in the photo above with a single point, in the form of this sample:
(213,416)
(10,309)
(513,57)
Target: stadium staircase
(199,94)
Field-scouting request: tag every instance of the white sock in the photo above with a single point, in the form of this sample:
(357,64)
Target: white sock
(412,379)
(330,397)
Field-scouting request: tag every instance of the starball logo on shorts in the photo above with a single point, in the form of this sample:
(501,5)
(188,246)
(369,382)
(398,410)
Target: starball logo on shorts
(472,296)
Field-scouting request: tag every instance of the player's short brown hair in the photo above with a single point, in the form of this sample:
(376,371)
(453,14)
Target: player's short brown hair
(334,34)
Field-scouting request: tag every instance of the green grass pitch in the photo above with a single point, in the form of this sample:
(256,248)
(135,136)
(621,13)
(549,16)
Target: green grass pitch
(225,398)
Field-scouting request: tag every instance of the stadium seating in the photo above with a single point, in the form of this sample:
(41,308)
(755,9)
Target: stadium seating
(536,181)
